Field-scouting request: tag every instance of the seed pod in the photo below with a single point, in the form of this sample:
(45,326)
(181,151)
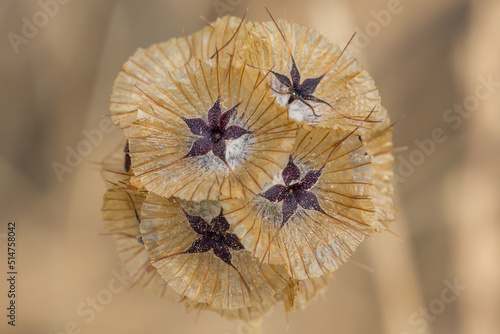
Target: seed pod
(199,257)
(317,80)
(196,139)
(120,212)
(315,213)
(151,64)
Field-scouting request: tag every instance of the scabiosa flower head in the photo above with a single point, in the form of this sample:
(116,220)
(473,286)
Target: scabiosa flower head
(256,158)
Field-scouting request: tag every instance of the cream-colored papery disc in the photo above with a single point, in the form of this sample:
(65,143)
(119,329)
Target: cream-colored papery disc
(152,64)
(203,277)
(312,243)
(121,205)
(346,86)
(160,139)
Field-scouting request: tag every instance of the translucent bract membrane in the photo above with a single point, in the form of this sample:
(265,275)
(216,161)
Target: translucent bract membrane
(313,214)
(199,257)
(120,212)
(191,143)
(149,65)
(119,219)
(249,314)
(319,82)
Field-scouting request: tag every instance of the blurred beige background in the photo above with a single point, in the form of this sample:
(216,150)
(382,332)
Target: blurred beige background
(428,58)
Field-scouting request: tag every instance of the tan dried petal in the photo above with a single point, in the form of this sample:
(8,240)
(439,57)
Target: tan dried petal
(151,64)
(160,139)
(312,243)
(203,277)
(346,86)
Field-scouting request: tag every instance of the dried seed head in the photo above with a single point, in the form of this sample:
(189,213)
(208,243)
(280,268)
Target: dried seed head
(258,157)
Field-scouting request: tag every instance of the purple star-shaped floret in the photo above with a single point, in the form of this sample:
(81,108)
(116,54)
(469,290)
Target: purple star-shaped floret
(300,91)
(214,237)
(214,133)
(296,193)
